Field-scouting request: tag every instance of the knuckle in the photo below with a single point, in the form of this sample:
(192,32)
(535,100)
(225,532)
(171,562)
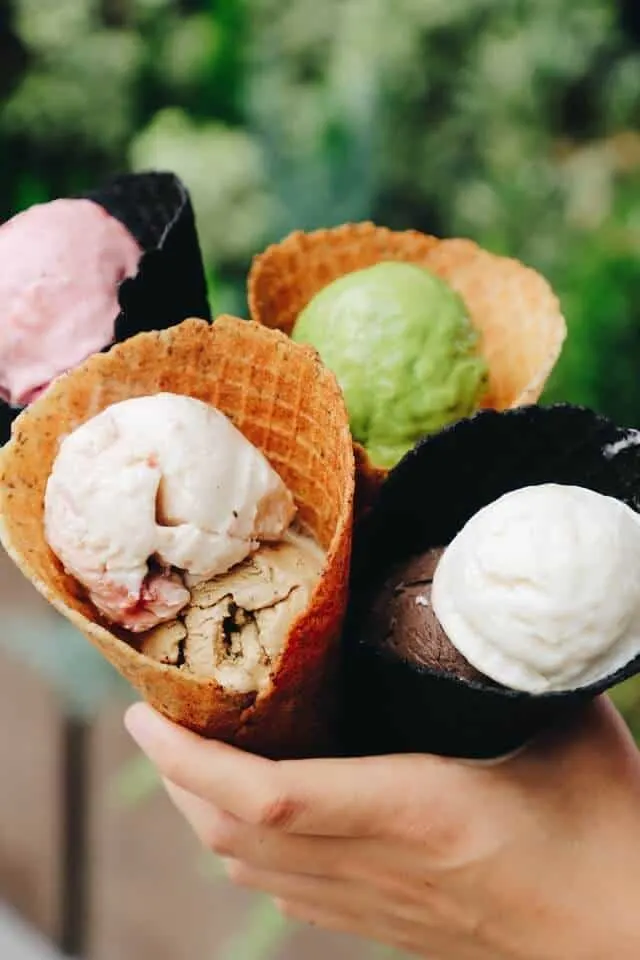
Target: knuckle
(293,911)
(221,837)
(278,811)
(448,837)
(438,829)
(240,873)
(349,867)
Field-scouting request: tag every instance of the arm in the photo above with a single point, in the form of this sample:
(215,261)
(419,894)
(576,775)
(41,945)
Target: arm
(537,857)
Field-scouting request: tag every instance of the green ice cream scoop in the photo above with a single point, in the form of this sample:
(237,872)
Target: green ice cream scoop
(403,349)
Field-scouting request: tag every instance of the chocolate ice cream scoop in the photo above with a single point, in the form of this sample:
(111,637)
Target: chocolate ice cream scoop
(518,594)
(403,621)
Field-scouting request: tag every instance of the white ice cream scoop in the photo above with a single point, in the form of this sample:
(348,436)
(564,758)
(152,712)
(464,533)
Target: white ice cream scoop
(162,478)
(540,591)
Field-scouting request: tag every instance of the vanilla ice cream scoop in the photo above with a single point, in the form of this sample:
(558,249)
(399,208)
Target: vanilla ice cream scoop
(152,487)
(540,591)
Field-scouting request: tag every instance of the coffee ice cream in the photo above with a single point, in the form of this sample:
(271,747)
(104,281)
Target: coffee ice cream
(233,627)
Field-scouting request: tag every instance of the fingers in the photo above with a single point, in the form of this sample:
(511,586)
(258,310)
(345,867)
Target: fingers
(345,923)
(266,849)
(212,771)
(372,924)
(340,798)
(320,891)
(342,906)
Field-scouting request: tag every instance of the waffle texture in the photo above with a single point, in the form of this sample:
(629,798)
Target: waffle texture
(513,308)
(288,405)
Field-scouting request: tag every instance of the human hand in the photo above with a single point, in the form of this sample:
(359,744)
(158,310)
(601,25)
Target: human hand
(536,858)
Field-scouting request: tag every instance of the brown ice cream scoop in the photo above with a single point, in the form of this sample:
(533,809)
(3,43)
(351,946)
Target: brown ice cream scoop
(289,406)
(403,621)
(234,626)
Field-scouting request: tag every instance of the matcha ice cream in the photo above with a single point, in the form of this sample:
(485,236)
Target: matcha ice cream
(401,344)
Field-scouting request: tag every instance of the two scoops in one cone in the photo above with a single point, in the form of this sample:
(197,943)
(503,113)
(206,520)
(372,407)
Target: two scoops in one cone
(496,584)
(138,453)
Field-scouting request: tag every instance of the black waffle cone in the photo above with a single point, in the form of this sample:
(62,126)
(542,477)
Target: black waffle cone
(395,706)
(170,283)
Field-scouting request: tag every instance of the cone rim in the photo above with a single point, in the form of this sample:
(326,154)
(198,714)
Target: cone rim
(99,628)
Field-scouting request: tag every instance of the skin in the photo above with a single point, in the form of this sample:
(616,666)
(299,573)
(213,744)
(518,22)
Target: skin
(536,857)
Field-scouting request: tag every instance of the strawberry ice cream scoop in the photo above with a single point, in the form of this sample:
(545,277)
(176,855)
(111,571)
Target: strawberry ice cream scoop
(154,493)
(62,264)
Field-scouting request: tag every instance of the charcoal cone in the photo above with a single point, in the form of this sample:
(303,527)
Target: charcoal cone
(392,705)
(170,283)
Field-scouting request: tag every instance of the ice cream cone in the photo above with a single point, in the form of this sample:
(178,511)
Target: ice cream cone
(170,285)
(395,703)
(170,282)
(514,309)
(369,480)
(289,406)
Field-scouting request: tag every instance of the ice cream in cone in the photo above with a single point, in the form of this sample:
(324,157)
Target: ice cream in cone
(494,585)
(85,272)
(289,406)
(515,313)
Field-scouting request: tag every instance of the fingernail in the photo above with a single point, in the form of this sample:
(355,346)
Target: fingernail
(142,723)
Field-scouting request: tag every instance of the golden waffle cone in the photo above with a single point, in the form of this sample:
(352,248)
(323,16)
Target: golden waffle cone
(289,406)
(514,309)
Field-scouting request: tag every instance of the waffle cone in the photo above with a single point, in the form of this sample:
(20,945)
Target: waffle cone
(513,308)
(288,405)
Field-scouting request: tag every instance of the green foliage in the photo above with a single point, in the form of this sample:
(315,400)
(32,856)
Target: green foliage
(225,172)
(598,284)
(502,122)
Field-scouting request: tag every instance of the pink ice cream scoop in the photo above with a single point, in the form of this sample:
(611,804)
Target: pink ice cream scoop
(61,266)
(154,495)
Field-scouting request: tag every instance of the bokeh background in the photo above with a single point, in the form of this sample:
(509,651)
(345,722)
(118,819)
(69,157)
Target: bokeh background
(515,123)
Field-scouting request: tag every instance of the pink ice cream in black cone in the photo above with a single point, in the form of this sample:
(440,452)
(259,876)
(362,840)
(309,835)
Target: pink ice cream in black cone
(86,272)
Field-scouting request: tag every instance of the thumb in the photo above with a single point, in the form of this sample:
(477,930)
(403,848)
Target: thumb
(363,797)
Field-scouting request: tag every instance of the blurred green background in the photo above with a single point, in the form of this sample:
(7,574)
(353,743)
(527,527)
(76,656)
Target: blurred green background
(516,123)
